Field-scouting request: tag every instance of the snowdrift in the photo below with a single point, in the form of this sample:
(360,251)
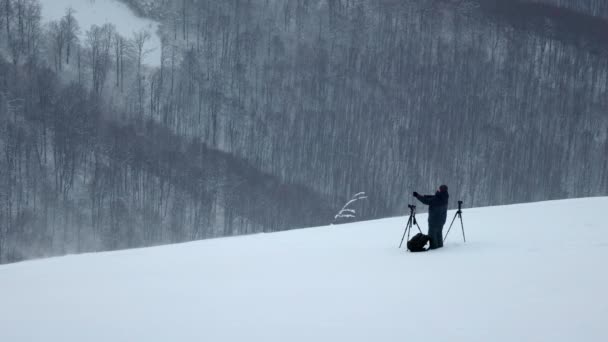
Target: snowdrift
(531,272)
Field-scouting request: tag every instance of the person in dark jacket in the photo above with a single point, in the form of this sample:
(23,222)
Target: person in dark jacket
(438,212)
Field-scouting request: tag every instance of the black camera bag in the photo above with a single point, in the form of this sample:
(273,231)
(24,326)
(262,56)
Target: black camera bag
(417,243)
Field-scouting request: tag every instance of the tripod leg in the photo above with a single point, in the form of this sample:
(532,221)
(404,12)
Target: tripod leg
(462,226)
(448,232)
(410,228)
(420,230)
(405,231)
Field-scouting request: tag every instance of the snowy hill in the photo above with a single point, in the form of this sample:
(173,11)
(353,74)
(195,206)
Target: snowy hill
(531,272)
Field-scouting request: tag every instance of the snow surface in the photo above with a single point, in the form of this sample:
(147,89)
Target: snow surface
(532,272)
(99,12)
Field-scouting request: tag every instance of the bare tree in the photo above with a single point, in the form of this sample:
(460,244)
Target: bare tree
(7,13)
(99,41)
(17,11)
(3,17)
(70,26)
(120,52)
(32,30)
(139,43)
(58,41)
(185,20)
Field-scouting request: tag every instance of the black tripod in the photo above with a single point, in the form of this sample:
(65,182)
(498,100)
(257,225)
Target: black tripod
(459,214)
(410,222)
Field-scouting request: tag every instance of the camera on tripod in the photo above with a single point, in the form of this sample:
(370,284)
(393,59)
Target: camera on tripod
(411,221)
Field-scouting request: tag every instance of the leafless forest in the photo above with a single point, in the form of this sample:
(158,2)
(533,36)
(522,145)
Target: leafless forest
(270,114)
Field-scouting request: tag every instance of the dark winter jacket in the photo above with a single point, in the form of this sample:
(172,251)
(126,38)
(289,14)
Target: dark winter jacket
(438,207)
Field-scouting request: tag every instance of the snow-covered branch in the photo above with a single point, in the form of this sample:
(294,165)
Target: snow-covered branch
(347,212)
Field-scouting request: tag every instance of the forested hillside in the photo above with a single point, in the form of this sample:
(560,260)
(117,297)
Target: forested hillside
(84,168)
(503,100)
(270,114)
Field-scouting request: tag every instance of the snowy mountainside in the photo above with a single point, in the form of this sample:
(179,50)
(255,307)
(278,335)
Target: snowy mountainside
(529,272)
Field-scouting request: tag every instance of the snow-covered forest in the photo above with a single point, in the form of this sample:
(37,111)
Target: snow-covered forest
(267,115)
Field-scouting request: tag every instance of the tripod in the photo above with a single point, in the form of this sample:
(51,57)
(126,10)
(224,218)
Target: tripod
(410,222)
(459,215)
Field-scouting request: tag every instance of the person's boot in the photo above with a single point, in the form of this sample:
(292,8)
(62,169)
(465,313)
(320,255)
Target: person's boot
(433,242)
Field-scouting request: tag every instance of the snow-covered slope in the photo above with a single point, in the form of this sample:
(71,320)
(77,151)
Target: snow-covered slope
(99,12)
(533,272)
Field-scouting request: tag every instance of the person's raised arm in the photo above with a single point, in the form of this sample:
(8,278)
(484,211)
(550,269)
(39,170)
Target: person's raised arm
(425,199)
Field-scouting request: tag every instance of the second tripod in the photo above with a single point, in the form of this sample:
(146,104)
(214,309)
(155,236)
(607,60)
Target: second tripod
(459,215)
(410,222)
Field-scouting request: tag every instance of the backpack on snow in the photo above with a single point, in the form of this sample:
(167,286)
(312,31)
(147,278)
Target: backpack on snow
(417,243)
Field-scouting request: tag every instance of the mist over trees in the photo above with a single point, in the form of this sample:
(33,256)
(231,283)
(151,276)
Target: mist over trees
(268,115)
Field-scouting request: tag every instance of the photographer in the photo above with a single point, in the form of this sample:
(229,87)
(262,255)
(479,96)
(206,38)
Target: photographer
(438,211)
